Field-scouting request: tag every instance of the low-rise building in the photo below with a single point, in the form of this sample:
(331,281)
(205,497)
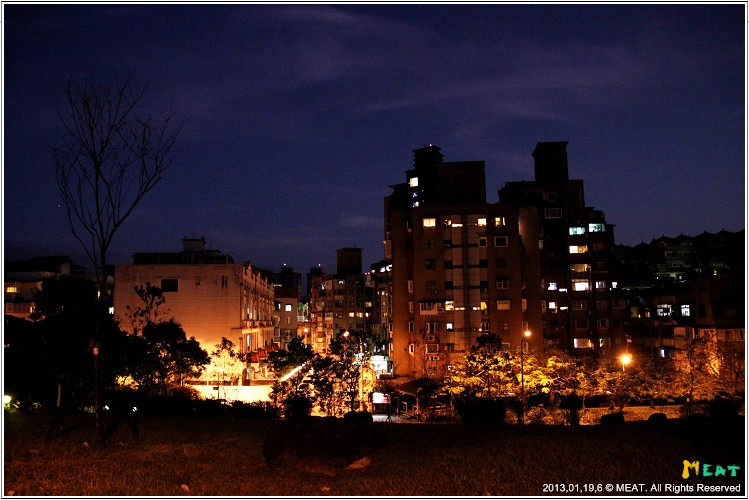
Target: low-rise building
(210,296)
(24,279)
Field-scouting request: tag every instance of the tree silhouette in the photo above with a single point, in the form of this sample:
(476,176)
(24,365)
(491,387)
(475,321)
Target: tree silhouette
(109,157)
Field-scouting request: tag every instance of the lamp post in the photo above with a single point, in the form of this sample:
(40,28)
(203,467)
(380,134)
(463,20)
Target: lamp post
(526,334)
(358,373)
(626,359)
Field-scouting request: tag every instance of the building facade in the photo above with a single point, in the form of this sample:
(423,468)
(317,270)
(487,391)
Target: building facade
(461,267)
(709,312)
(209,295)
(337,300)
(24,279)
(583,304)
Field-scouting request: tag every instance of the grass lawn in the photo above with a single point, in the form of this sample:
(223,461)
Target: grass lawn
(223,456)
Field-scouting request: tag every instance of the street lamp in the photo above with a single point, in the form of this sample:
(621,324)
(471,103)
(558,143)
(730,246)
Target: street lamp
(626,359)
(359,380)
(526,334)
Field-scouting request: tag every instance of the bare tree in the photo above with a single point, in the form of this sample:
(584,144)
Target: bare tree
(108,159)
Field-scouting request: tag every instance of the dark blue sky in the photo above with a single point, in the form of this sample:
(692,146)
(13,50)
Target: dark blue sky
(297,118)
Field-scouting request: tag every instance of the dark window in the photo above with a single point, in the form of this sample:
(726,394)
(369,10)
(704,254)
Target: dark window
(169,285)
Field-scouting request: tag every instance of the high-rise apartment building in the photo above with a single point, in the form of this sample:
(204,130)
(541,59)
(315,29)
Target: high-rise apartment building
(337,300)
(461,267)
(583,306)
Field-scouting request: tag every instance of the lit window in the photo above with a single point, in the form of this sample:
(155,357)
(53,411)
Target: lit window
(449,326)
(577,230)
(503,305)
(552,286)
(351,315)
(583,344)
(578,248)
(552,307)
(287,307)
(600,285)
(481,221)
(596,228)
(483,305)
(499,221)
(11,289)
(430,222)
(685,310)
(413,182)
(580,285)
(580,268)
(449,305)
(664,310)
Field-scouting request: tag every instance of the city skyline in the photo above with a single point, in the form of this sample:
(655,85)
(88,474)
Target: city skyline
(297,118)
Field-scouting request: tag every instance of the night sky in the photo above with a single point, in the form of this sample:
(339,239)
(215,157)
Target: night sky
(297,118)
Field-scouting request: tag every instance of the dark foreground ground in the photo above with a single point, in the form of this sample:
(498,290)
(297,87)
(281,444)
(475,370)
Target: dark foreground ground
(223,456)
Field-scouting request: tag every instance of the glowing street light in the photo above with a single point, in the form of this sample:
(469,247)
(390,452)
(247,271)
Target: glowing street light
(626,359)
(526,334)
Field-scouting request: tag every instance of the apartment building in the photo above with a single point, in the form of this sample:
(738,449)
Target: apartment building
(337,300)
(285,305)
(665,321)
(672,259)
(208,294)
(583,304)
(461,267)
(378,298)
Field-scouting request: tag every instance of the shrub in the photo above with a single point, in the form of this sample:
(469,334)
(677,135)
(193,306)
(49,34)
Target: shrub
(612,418)
(255,409)
(297,406)
(481,411)
(723,408)
(541,415)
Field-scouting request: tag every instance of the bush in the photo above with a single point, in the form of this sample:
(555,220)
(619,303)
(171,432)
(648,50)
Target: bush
(541,415)
(612,418)
(361,417)
(297,406)
(723,408)
(255,409)
(481,411)
(658,418)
